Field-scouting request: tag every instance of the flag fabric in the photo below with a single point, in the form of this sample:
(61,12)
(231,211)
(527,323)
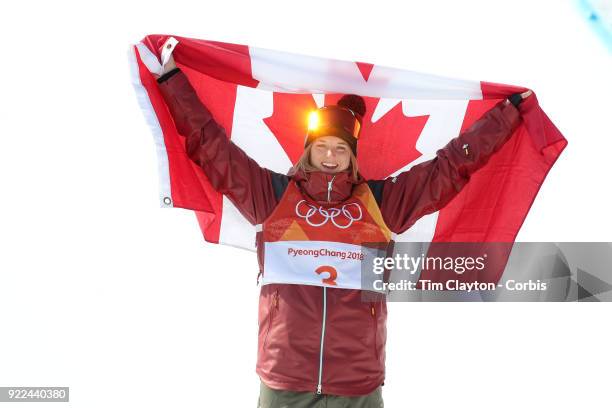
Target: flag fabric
(261,98)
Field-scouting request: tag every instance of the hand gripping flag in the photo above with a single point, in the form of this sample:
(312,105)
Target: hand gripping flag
(261,98)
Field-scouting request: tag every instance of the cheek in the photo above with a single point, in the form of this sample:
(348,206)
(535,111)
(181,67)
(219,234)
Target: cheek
(316,157)
(313,156)
(344,161)
(346,158)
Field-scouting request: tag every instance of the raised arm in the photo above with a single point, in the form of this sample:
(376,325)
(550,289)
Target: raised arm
(429,186)
(230,170)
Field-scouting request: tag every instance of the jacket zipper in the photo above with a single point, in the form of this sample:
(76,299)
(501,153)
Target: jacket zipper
(273,308)
(319,385)
(329,188)
(322,336)
(375,329)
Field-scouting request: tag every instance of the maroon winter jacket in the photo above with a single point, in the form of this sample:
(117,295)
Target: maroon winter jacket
(291,315)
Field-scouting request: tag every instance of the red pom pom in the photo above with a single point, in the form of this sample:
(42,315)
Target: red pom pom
(354,103)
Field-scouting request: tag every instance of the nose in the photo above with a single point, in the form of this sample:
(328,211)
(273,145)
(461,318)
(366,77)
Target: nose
(330,153)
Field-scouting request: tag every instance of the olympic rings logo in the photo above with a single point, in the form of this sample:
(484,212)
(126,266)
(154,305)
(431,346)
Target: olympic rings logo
(346,218)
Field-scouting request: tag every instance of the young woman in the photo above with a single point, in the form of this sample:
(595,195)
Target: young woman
(318,341)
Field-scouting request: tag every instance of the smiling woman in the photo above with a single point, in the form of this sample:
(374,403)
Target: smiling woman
(331,143)
(312,318)
(329,154)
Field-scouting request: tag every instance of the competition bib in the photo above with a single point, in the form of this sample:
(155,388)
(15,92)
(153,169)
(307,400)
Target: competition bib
(310,244)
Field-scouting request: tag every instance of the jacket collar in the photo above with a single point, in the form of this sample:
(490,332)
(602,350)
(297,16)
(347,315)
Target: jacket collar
(325,188)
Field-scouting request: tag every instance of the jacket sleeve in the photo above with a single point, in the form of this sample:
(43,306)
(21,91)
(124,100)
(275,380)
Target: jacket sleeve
(228,168)
(427,187)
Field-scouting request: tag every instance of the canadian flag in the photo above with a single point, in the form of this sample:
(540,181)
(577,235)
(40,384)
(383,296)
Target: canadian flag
(261,97)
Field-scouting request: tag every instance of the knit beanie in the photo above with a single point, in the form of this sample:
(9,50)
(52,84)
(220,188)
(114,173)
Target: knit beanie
(342,120)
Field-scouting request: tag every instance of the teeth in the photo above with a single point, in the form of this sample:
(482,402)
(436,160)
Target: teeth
(330,165)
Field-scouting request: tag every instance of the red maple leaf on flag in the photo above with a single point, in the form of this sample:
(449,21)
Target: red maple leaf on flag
(384,146)
(288,122)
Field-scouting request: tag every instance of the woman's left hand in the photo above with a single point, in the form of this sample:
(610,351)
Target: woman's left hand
(515,100)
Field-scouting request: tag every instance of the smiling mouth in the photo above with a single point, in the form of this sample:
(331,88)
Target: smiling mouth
(329,166)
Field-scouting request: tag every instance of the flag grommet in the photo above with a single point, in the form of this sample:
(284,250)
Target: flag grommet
(167,200)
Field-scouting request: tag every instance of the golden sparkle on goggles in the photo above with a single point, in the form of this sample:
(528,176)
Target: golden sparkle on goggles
(313,120)
(339,117)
